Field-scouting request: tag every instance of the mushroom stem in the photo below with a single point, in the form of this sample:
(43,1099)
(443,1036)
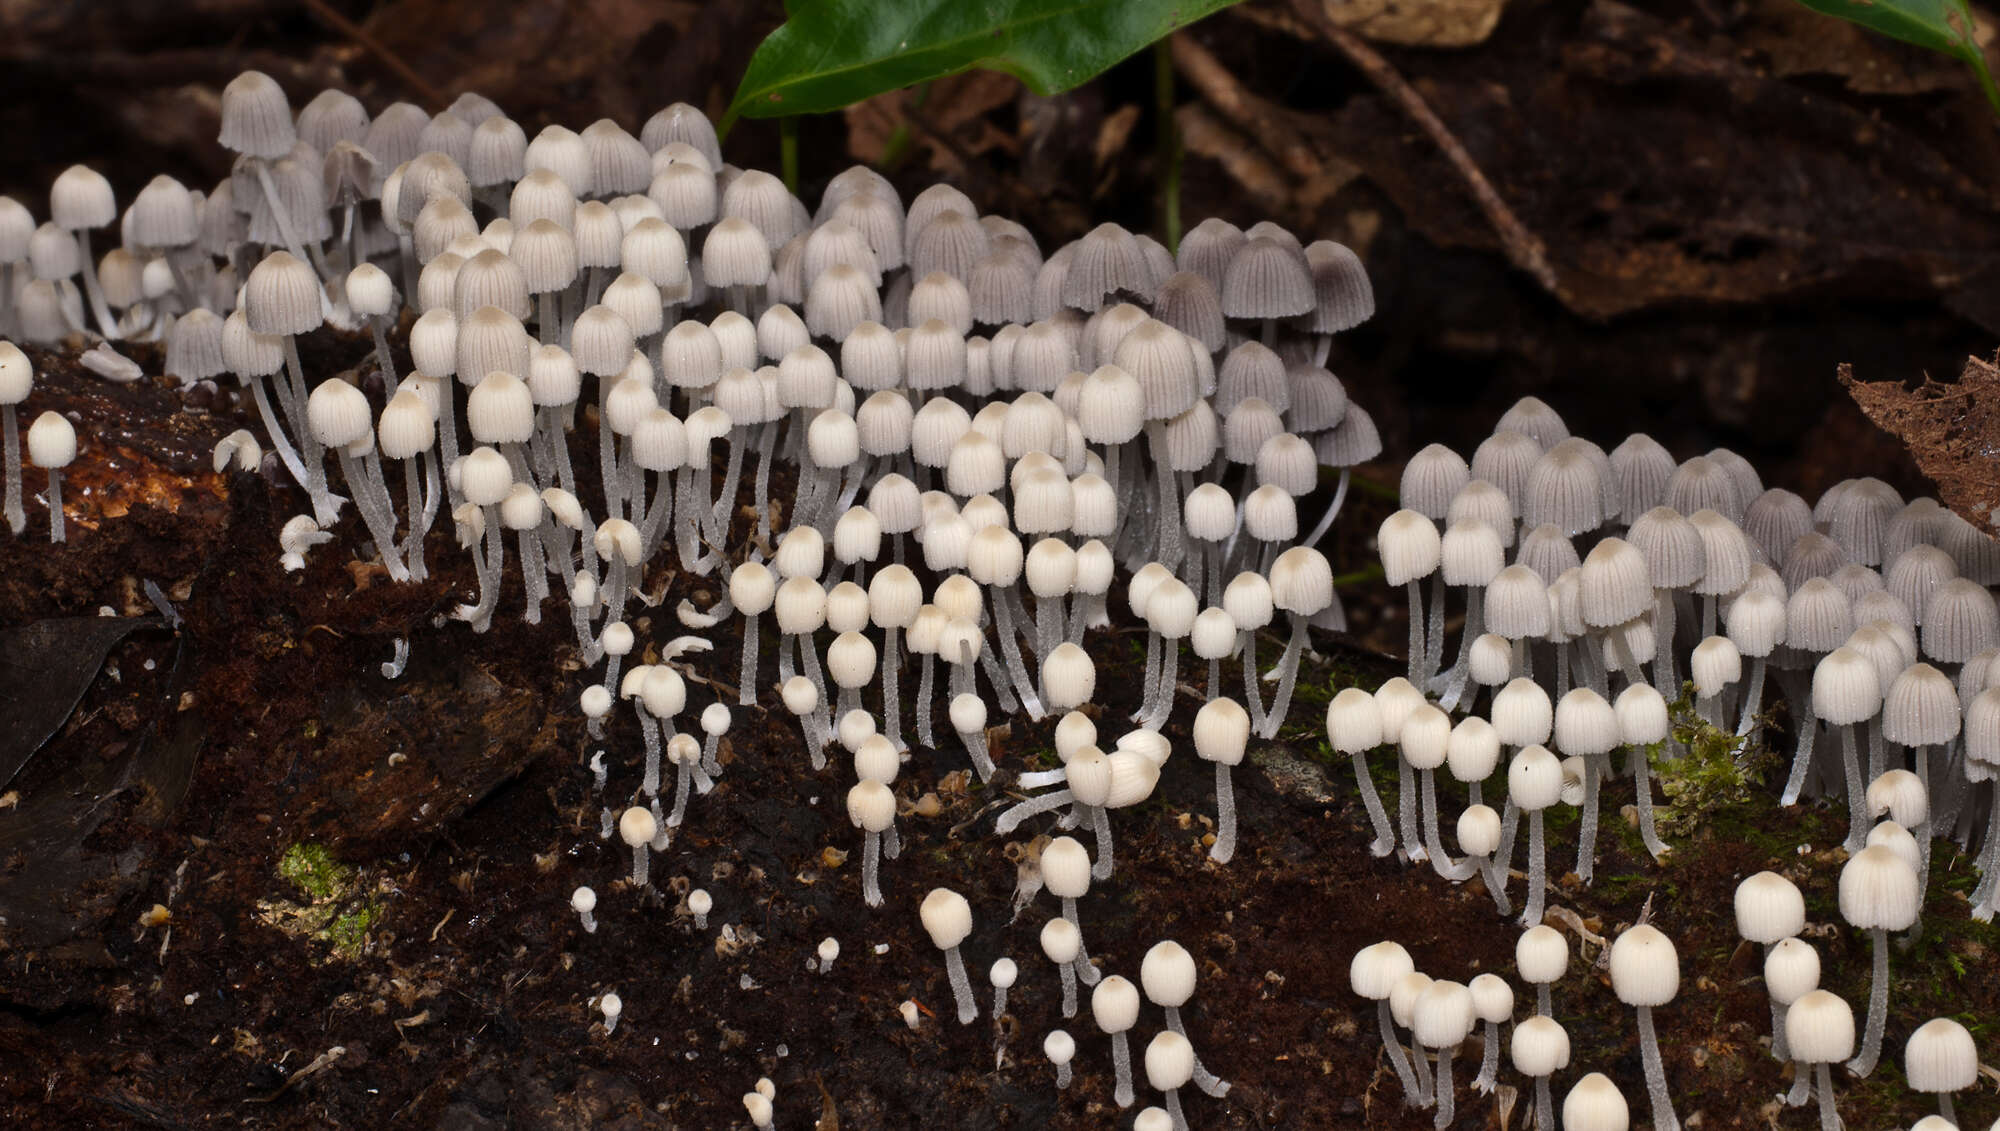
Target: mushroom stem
(1417,653)
(1434,630)
(1857,805)
(1947,1109)
(1121,1063)
(1829,1119)
(1406,811)
(892,707)
(683,779)
(1225,817)
(17,515)
(1041,803)
(1422,1065)
(766,439)
(926,682)
(1081,963)
(641,862)
(375,515)
(1394,1047)
(1779,1046)
(1545,1112)
(1288,674)
(489,576)
(1441,861)
(1385,837)
(1068,974)
(94,289)
(607,450)
(1799,698)
(1640,760)
(1489,1060)
(1207,1081)
(1878,1007)
(1253,698)
(1174,1111)
(1544,1006)
(1802,1079)
(1586,838)
(871,868)
(746,685)
(56,533)
(1444,1089)
(1332,511)
(961,987)
(1656,1074)
(1003,626)
(280,441)
(650,783)
(1100,826)
(1538,875)
(1753,698)
(315,460)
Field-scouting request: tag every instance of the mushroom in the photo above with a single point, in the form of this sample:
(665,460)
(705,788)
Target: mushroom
(1373,974)
(1354,727)
(1940,1058)
(1167,974)
(612,1007)
(584,901)
(1819,1027)
(1541,957)
(1443,1019)
(1846,690)
(1066,871)
(1540,1049)
(1594,1103)
(1169,1067)
(637,827)
(1646,972)
(700,903)
(829,949)
(52,447)
(1534,782)
(1221,732)
(1492,1003)
(872,808)
(1878,894)
(17,379)
(1114,1005)
(947,918)
(1060,1048)
(1791,970)
(1411,551)
(1769,910)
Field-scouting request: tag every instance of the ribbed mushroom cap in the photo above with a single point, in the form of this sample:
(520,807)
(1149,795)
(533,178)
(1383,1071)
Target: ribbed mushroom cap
(1106,263)
(1169,1065)
(256,116)
(338,413)
(1940,1057)
(1376,968)
(1714,665)
(637,826)
(51,441)
(1769,907)
(1921,707)
(1819,1027)
(1791,970)
(1614,584)
(1541,955)
(1845,688)
(1354,721)
(1641,712)
(1818,617)
(871,806)
(1266,279)
(1548,551)
(1916,573)
(282,296)
(1443,1015)
(1703,484)
(1207,248)
(1645,968)
(1960,621)
(1252,370)
(1517,604)
(1775,520)
(1859,516)
(1066,868)
(1534,779)
(1539,1046)
(1069,675)
(1566,489)
(1343,297)
(1478,833)
(1470,554)
(1594,1103)
(1878,890)
(1899,795)
(1410,547)
(1522,714)
(1431,479)
(1221,731)
(1675,555)
(1585,723)
(1727,552)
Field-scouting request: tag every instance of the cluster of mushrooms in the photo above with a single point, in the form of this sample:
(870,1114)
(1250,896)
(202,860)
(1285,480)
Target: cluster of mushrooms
(910,439)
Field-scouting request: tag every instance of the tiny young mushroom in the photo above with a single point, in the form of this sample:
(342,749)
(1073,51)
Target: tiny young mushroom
(17,379)
(1541,958)
(1443,1019)
(872,808)
(612,1007)
(1534,782)
(1354,727)
(1063,944)
(1540,1049)
(1819,1027)
(700,903)
(1114,1005)
(1878,894)
(637,828)
(584,901)
(1646,972)
(829,949)
(947,918)
(1060,1048)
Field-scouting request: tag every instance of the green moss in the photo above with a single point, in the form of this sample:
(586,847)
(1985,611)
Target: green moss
(313,870)
(1716,772)
(349,931)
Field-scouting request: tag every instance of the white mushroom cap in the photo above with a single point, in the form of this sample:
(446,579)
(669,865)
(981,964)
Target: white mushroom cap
(1820,1028)
(1058,1046)
(1878,890)
(1534,779)
(1114,1004)
(637,826)
(583,900)
(700,902)
(1169,1061)
(1595,1104)
(1940,1057)
(1769,907)
(51,441)
(1540,1046)
(1153,1119)
(1375,969)
(1221,731)
(611,1006)
(1003,973)
(829,949)
(870,806)
(1541,955)
(1492,998)
(1443,1014)
(1066,868)
(946,917)
(1061,940)
(1791,970)
(1167,974)
(1645,968)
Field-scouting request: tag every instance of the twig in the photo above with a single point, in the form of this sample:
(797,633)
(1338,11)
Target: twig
(380,50)
(1242,109)
(320,1063)
(1523,247)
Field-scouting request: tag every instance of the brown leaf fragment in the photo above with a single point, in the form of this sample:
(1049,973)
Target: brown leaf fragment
(1951,429)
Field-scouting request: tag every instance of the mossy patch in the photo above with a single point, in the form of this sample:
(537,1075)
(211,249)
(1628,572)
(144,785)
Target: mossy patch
(334,909)
(1718,772)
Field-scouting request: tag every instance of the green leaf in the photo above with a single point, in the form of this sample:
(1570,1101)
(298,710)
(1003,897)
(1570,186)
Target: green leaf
(1944,26)
(832,53)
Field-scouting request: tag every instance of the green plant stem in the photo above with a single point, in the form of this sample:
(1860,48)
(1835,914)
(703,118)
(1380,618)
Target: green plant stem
(788,152)
(1168,144)
(896,150)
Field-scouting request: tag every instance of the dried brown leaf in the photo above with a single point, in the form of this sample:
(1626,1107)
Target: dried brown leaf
(1952,430)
